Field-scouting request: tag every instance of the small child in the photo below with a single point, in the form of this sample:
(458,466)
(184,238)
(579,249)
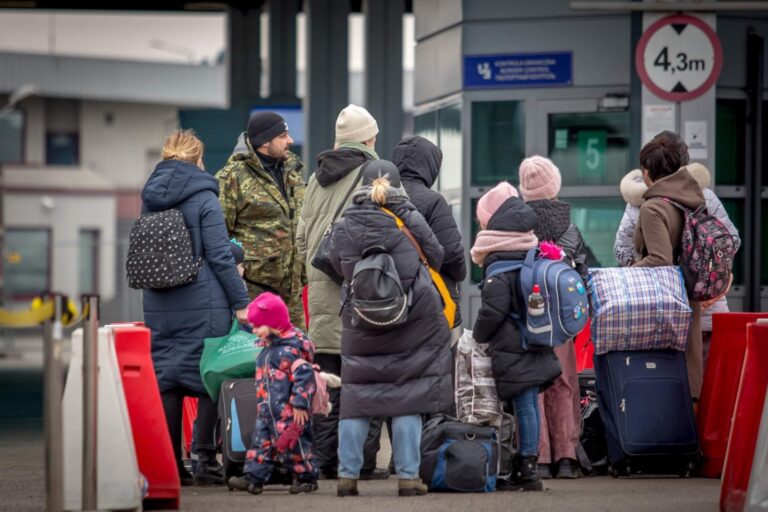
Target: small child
(507,233)
(283,432)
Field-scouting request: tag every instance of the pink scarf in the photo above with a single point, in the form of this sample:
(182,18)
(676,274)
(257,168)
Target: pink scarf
(488,241)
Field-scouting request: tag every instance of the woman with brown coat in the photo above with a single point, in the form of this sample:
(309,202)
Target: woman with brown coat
(660,225)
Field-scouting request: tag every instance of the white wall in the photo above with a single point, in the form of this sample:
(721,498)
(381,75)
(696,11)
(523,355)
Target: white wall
(117,150)
(69,214)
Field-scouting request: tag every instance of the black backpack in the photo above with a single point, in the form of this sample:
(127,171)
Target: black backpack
(160,252)
(376,295)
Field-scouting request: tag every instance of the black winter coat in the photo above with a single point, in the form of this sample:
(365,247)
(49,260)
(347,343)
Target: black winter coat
(514,368)
(406,370)
(418,161)
(555,226)
(180,318)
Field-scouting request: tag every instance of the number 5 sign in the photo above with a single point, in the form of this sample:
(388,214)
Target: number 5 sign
(591,153)
(679,58)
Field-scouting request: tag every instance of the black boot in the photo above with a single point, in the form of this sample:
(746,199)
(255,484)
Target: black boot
(208,470)
(185,477)
(525,475)
(568,469)
(298,487)
(240,483)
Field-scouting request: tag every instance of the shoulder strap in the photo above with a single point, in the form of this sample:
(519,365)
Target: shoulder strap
(527,269)
(349,192)
(407,232)
(298,362)
(499,267)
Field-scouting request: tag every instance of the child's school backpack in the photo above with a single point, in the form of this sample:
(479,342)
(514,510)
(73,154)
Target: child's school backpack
(706,255)
(556,301)
(321,400)
(457,456)
(160,252)
(376,296)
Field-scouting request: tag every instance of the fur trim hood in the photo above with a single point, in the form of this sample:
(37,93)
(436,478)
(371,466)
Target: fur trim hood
(632,186)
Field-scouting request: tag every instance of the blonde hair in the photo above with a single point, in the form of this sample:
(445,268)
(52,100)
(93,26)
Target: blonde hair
(183,145)
(379,189)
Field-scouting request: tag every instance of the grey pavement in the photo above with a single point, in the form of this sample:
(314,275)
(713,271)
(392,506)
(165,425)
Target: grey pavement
(22,485)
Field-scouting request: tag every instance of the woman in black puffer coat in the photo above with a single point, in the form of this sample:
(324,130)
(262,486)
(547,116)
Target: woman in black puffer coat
(402,372)
(507,234)
(559,405)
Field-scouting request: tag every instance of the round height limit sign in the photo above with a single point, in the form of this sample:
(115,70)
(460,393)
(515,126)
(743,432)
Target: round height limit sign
(679,58)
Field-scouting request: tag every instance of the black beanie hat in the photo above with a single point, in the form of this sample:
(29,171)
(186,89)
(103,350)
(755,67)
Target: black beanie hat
(265,126)
(379,168)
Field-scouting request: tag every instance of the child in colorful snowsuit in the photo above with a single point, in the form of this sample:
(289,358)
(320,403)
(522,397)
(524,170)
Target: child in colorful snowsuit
(283,433)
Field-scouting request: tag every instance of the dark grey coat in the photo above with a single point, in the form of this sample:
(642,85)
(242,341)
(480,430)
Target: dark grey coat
(406,370)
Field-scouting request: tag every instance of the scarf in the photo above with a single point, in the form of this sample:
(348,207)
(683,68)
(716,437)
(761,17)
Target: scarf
(489,241)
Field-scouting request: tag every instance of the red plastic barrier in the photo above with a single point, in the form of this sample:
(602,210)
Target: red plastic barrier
(305,302)
(189,416)
(145,408)
(721,383)
(585,349)
(746,420)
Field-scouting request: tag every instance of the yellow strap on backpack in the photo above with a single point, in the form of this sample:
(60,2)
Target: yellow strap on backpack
(449,307)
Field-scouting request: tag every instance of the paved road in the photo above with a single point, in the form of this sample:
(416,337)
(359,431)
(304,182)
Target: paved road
(22,485)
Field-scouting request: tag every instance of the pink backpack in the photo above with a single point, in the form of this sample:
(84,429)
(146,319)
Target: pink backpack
(320,398)
(707,251)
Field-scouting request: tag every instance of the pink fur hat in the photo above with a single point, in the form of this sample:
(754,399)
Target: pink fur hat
(492,200)
(539,178)
(270,310)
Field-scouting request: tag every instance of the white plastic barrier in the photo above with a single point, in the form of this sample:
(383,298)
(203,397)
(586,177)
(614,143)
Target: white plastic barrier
(119,485)
(757,493)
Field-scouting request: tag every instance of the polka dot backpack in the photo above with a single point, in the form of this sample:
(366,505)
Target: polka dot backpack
(160,252)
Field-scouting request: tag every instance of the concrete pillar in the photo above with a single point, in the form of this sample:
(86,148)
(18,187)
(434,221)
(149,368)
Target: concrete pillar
(327,75)
(244,60)
(282,48)
(384,70)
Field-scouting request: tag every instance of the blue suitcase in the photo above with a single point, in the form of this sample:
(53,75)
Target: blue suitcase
(645,402)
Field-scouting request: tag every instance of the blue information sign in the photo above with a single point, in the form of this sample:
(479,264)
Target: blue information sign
(553,69)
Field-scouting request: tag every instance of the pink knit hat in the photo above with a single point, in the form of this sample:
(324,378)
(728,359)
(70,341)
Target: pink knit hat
(270,310)
(492,200)
(539,178)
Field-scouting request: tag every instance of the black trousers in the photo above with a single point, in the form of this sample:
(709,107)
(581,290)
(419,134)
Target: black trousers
(207,416)
(326,429)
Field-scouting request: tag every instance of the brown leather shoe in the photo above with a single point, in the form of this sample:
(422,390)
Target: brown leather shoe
(347,487)
(411,487)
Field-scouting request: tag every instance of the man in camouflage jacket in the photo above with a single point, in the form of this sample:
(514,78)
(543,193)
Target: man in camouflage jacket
(261,195)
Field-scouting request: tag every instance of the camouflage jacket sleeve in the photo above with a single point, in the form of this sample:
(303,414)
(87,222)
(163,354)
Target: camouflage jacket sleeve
(229,196)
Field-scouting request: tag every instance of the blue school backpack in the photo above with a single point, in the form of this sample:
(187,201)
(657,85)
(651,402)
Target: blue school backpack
(556,305)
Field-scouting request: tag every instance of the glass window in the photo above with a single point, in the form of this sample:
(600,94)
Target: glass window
(590,148)
(27,262)
(598,220)
(449,119)
(62,149)
(425,125)
(12,137)
(735,209)
(88,268)
(498,141)
(730,121)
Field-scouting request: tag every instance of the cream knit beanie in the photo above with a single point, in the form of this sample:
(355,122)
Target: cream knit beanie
(355,124)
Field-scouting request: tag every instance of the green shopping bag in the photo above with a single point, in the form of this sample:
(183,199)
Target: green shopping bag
(229,357)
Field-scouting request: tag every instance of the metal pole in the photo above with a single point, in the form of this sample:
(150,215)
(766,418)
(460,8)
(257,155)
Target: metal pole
(90,401)
(53,383)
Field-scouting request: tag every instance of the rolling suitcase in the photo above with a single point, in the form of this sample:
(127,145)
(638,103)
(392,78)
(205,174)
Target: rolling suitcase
(237,414)
(645,403)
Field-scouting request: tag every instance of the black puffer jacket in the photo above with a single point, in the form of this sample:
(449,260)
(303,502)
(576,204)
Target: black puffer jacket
(418,161)
(514,368)
(406,370)
(555,226)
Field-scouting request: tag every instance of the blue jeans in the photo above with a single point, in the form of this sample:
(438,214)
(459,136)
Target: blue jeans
(526,409)
(406,445)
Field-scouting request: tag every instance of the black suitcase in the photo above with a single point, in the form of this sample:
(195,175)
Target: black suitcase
(645,403)
(237,416)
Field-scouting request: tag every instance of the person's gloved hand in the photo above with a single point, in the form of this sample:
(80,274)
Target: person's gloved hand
(289,437)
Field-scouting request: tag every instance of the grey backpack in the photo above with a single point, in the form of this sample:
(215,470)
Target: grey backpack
(160,252)
(376,295)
